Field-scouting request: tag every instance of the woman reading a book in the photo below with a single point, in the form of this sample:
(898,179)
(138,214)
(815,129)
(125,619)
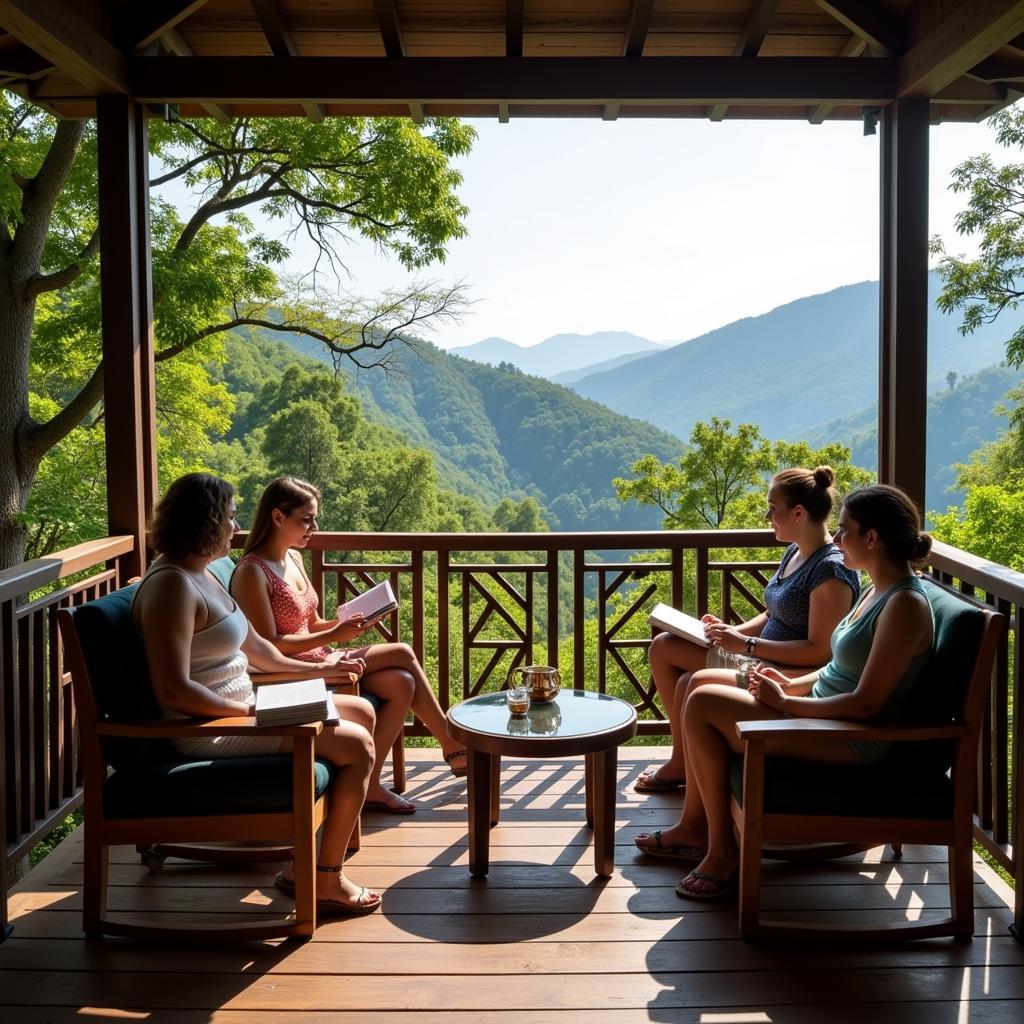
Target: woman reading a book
(199,647)
(881,650)
(808,595)
(271,585)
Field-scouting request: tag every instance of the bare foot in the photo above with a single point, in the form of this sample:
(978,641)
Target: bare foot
(339,889)
(380,798)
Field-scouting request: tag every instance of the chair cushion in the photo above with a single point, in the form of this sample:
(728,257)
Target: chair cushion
(222,568)
(222,786)
(880,790)
(116,662)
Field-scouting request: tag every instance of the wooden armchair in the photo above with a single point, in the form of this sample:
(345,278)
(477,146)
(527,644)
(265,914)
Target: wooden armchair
(922,793)
(222,568)
(140,791)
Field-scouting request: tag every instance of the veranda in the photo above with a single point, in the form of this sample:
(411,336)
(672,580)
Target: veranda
(468,949)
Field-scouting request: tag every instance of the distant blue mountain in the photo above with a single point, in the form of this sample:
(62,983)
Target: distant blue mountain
(803,364)
(559,353)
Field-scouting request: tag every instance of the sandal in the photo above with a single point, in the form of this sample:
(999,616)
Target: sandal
(362,905)
(694,854)
(649,782)
(721,887)
(285,884)
(457,772)
(402,806)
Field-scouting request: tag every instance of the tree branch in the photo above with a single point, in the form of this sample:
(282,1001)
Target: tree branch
(41,437)
(39,283)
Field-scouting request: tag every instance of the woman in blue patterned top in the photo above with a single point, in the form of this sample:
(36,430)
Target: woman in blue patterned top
(808,595)
(880,653)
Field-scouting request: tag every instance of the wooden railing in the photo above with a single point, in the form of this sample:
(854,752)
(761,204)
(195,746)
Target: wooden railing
(474,606)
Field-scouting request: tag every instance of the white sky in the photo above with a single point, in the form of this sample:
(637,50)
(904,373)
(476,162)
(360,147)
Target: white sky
(663,228)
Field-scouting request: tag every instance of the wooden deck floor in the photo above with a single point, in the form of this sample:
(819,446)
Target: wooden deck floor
(539,941)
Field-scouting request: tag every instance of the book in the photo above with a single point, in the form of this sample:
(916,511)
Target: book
(677,622)
(370,605)
(305,700)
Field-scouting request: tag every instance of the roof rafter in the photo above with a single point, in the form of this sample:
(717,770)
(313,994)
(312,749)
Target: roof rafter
(513,28)
(855,47)
(632,43)
(750,40)
(68,41)
(394,44)
(806,81)
(134,30)
(281,43)
(869,20)
(175,43)
(1005,65)
(964,38)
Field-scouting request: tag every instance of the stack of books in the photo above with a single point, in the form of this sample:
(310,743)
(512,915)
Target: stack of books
(306,700)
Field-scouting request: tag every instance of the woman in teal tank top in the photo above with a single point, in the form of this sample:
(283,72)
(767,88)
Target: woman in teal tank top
(879,652)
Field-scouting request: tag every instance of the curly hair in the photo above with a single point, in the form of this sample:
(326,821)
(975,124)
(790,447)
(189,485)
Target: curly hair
(811,488)
(286,493)
(193,517)
(894,517)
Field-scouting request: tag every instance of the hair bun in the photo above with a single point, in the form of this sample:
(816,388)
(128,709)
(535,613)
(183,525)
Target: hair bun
(824,476)
(922,546)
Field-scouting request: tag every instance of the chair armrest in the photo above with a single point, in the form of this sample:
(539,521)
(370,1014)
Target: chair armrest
(170,729)
(787,728)
(335,685)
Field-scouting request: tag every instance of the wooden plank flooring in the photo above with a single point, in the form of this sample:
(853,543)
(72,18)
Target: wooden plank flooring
(539,938)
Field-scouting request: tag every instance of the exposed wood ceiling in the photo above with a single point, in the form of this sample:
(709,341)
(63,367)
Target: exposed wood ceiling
(720,59)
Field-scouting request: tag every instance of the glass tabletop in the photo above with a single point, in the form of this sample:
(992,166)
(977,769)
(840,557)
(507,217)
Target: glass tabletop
(571,713)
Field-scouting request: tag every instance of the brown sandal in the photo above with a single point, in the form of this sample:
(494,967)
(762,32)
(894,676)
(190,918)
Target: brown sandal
(457,772)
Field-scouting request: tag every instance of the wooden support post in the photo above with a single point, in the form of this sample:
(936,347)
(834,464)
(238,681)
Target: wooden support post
(903,297)
(127,321)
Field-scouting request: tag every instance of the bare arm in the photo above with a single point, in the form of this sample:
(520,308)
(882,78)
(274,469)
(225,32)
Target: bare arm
(903,631)
(264,656)
(169,606)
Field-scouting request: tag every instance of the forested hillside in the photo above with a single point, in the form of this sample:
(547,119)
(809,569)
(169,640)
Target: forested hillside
(497,433)
(810,361)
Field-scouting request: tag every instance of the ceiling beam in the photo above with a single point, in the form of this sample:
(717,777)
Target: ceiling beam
(135,29)
(636,30)
(513,28)
(23,63)
(969,91)
(855,47)
(969,34)
(68,41)
(882,30)
(1005,65)
(750,40)
(174,42)
(281,43)
(390,27)
(539,80)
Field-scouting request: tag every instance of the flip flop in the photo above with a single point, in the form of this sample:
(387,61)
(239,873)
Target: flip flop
(457,772)
(286,885)
(722,887)
(405,807)
(649,782)
(693,854)
(335,908)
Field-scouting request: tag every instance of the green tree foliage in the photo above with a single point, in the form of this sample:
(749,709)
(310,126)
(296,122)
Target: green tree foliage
(990,525)
(721,479)
(384,179)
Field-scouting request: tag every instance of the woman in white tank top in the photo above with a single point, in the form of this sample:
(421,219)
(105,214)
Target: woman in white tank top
(199,646)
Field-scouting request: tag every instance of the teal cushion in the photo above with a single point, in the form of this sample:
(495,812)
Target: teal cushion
(223,786)
(222,568)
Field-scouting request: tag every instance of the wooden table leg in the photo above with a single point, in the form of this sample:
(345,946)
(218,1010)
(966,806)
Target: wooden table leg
(604,779)
(479,784)
(588,787)
(495,788)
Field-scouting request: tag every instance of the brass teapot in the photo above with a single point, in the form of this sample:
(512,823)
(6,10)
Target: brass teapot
(542,681)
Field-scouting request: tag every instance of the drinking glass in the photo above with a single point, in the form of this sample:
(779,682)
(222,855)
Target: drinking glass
(518,700)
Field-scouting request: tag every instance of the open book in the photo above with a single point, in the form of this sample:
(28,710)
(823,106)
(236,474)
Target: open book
(679,623)
(370,605)
(305,700)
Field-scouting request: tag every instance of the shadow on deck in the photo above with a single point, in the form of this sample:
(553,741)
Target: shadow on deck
(540,938)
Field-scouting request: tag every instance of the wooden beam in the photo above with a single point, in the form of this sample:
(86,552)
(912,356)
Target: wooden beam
(279,38)
(969,34)
(490,80)
(134,29)
(854,47)
(513,28)
(390,27)
(610,112)
(175,43)
(502,113)
(23,63)
(879,27)
(1005,65)
(970,90)
(68,41)
(636,30)
(751,37)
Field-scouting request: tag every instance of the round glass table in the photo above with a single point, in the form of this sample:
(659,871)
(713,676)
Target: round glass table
(575,722)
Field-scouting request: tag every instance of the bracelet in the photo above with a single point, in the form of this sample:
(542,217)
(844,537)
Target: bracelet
(751,642)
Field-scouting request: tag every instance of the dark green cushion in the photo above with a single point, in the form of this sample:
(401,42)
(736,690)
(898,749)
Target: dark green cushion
(225,785)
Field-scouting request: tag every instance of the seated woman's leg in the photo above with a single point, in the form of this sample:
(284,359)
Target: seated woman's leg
(395,687)
(672,659)
(424,701)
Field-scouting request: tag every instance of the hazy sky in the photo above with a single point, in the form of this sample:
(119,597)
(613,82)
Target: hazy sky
(664,228)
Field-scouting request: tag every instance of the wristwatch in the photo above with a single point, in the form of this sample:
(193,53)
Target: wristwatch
(751,642)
